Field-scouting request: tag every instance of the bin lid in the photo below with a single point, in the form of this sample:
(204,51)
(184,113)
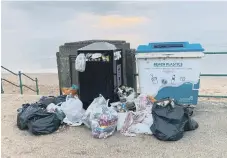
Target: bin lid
(170,47)
(170,55)
(99,46)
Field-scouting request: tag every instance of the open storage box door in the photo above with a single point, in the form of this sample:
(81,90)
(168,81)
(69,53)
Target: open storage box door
(100,76)
(68,52)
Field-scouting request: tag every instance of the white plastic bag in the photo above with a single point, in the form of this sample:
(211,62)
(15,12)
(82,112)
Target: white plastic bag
(140,128)
(137,123)
(53,108)
(100,118)
(117,55)
(142,103)
(80,63)
(140,121)
(73,109)
(121,120)
(143,127)
(95,107)
(96,55)
(148,120)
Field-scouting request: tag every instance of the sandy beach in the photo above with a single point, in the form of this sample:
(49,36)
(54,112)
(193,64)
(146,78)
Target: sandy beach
(209,140)
(48,84)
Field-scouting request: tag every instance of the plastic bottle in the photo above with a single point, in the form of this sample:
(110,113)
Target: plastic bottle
(123,107)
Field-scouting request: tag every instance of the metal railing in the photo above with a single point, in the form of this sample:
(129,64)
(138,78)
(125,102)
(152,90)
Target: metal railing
(21,85)
(215,75)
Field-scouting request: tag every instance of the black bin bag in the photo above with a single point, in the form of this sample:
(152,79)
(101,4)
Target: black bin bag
(37,120)
(44,123)
(171,120)
(26,113)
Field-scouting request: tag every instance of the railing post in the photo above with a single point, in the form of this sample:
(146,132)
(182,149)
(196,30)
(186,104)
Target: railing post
(21,85)
(37,86)
(2,91)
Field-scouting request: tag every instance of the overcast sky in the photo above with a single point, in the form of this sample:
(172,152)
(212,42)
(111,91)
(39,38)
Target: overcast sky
(33,31)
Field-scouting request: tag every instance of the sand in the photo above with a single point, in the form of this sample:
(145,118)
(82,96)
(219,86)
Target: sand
(48,84)
(209,140)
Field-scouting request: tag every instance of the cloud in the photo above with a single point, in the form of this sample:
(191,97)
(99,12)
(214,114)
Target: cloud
(113,27)
(33,31)
(117,21)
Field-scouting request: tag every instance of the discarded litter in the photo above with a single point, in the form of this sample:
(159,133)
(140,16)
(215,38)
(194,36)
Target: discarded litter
(25,114)
(37,120)
(171,120)
(44,123)
(70,91)
(140,121)
(46,100)
(117,55)
(100,118)
(60,99)
(121,119)
(126,93)
(97,57)
(80,63)
(73,109)
(52,108)
(131,115)
(127,96)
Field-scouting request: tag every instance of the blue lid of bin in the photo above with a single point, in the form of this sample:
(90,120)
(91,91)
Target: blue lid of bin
(170,47)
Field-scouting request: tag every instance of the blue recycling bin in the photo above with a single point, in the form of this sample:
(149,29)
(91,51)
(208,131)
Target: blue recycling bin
(170,69)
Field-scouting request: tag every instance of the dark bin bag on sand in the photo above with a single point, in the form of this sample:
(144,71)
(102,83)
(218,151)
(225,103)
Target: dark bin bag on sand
(60,99)
(171,120)
(35,118)
(44,123)
(26,113)
(47,100)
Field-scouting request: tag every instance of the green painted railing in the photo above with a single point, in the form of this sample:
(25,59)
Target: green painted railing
(21,85)
(215,75)
(215,53)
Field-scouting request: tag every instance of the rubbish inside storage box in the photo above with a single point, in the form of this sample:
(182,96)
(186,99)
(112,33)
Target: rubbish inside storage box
(100,57)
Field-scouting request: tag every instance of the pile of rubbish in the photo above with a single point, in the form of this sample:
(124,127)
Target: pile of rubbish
(40,118)
(131,115)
